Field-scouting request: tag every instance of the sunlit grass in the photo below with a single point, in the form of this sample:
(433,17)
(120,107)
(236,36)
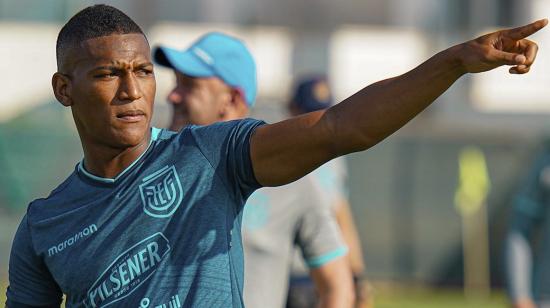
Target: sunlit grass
(407,297)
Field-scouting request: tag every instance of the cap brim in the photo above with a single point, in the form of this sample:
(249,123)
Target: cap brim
(182,61)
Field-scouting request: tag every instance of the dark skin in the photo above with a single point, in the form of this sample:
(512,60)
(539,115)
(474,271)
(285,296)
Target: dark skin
(280,152)
(109,84)
(297,146)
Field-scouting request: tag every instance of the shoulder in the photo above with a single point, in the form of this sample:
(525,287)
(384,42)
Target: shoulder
(305,185)
(200,134)
(223,141)
(224,128)
(336,168)
(160,134)
(308,194)
(43,208)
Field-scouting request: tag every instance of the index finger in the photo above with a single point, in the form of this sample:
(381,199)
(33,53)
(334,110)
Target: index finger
(524,31)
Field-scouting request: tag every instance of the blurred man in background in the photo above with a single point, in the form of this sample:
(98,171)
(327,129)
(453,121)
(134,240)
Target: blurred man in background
(312,94)
(216,81)
(528,239)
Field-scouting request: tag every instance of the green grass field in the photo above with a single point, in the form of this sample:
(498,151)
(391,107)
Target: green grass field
(386,297)
(434,298)
(3,285)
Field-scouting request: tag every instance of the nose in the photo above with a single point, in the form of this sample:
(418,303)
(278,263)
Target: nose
(130,89)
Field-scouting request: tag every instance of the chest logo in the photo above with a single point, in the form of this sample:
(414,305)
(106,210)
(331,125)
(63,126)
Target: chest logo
(161,192)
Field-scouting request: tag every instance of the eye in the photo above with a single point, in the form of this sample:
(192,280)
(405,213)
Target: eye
(104,75)
(144,72)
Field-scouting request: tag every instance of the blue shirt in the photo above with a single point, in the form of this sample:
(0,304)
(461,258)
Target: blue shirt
(166,231)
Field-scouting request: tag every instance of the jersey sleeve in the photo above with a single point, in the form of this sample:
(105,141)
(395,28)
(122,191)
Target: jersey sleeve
(318,236)
(30,282)
(226,145)
(532,195)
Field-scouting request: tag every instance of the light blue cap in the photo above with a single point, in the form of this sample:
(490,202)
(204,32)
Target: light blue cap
(215,55)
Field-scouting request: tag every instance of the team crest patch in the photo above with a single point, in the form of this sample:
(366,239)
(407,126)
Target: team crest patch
(161,192)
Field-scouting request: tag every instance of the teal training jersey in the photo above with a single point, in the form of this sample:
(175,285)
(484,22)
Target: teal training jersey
(163,233)
(530,220)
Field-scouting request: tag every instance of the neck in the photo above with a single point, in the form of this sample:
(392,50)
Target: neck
(107,161)
(178,123)
(237,113)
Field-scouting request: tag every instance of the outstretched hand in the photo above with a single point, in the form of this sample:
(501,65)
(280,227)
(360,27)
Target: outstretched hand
(505,47)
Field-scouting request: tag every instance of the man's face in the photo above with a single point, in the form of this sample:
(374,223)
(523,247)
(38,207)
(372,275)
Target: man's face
(199,101)
(113,89)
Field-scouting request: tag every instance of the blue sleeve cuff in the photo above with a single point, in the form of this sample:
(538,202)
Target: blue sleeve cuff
(326,258)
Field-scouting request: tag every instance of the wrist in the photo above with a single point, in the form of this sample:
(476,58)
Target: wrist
(454,58)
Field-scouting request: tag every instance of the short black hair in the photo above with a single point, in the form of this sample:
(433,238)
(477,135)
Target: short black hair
(93,21)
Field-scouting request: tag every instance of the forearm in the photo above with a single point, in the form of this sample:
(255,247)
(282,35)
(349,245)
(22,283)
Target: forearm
(334,284)
(336,299)
(380,109)
(519,266)
(351,238)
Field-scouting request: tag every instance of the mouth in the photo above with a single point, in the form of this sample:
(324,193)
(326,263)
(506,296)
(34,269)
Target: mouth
(131,116)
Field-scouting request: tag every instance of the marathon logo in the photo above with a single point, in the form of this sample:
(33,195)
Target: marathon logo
(70,241)
(128,271)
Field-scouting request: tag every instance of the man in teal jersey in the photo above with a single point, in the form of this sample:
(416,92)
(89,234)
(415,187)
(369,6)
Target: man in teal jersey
(528,264)
(152,218)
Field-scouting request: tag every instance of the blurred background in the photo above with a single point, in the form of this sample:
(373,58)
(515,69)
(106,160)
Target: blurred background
(406,193)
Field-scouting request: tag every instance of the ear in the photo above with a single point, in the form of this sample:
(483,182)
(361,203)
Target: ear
(233,106)
(238,101)
(61,85)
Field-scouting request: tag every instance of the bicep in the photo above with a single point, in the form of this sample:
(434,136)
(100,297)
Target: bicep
(285,151)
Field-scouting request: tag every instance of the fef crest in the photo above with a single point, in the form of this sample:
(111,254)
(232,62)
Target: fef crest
(161,192)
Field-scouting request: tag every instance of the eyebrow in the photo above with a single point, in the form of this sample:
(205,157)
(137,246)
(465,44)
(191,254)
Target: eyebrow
(145,64)
(111,67)
(115,67)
